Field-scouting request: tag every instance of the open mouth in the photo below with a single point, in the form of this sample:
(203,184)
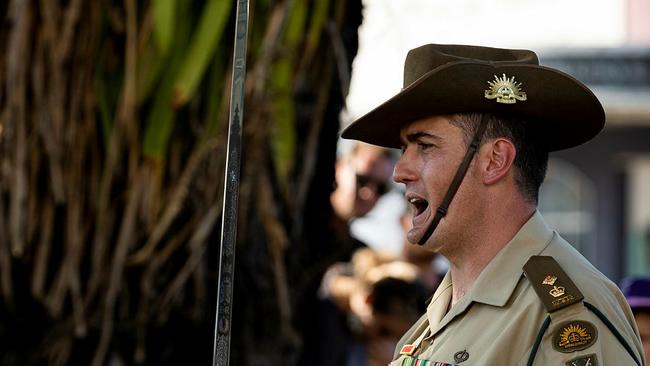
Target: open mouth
(419,205)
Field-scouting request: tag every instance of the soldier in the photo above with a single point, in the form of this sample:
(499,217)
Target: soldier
(475,125)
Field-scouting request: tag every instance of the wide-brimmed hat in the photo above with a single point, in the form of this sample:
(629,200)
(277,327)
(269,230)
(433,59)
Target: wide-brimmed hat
(448,79)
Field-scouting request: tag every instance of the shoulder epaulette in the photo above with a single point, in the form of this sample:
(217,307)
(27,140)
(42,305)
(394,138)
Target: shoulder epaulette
(551,283)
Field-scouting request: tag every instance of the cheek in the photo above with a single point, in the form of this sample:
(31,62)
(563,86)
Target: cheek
(437,175)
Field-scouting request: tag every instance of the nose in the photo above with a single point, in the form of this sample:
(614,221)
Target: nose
(404,171)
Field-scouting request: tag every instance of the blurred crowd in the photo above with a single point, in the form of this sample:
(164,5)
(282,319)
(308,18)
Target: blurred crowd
(371,296)
(367,304)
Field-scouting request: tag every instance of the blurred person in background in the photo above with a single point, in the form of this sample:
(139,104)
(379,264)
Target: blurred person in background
(362,313)
(637,293)
(395,305)
(362,176)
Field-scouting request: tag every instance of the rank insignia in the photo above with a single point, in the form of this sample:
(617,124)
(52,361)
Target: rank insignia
(557,291)
(407,349)
(549,280)
(505,90)
(574,336)
(588,360)
(461,356)
(538,270)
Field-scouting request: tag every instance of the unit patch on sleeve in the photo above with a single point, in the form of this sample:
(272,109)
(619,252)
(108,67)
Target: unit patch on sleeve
(574,336)
(588,360)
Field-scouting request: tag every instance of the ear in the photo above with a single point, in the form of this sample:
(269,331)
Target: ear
(500,157)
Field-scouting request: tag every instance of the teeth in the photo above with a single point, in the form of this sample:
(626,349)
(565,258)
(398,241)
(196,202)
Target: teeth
(419,204)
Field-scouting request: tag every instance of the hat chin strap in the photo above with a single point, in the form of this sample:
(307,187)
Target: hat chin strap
(441,211)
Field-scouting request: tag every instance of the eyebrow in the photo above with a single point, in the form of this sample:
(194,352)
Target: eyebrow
(415,136)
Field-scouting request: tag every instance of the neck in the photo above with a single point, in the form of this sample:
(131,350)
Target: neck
(492,232)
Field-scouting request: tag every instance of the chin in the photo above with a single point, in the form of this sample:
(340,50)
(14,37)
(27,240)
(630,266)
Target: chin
(432,244)
(414,238)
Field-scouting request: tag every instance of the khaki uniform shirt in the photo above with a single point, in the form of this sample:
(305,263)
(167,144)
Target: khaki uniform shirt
(498,320)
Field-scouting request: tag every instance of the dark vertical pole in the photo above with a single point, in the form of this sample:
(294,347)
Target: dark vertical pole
(222,328)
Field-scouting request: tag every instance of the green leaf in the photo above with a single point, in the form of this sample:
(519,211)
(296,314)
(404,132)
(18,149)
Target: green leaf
(296,27)
(283,129)
(215,97)
(150,67)
(108,87)
(159,127)
(283,133)
(202,48)
(161,116)
(104,106)
(163,22)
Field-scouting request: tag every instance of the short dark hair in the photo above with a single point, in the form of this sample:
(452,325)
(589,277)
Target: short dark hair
(531,160)
(393,296)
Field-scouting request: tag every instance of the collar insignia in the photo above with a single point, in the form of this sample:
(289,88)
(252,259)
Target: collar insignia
(505,90)
(549,280)
(574,336)
(461,356)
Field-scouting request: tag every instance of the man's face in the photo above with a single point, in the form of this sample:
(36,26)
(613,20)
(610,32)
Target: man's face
(432,150)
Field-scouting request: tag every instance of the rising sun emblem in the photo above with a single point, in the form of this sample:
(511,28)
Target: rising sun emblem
(505,90)
(574,335)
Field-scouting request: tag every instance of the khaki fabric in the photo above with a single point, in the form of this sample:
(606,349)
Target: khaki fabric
(498,320)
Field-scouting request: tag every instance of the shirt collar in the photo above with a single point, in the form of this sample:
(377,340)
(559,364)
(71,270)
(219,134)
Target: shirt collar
(499,278)
(440,301)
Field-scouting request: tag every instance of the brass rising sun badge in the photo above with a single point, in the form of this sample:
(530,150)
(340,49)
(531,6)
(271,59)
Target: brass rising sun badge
(505,90)
(574,336)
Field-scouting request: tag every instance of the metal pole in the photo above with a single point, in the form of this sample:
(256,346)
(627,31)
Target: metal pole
(222,328)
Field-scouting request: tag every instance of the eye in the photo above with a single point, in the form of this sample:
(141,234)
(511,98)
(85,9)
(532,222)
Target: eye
(423,146)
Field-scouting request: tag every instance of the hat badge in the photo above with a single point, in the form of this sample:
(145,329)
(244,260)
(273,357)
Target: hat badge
(505,90)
